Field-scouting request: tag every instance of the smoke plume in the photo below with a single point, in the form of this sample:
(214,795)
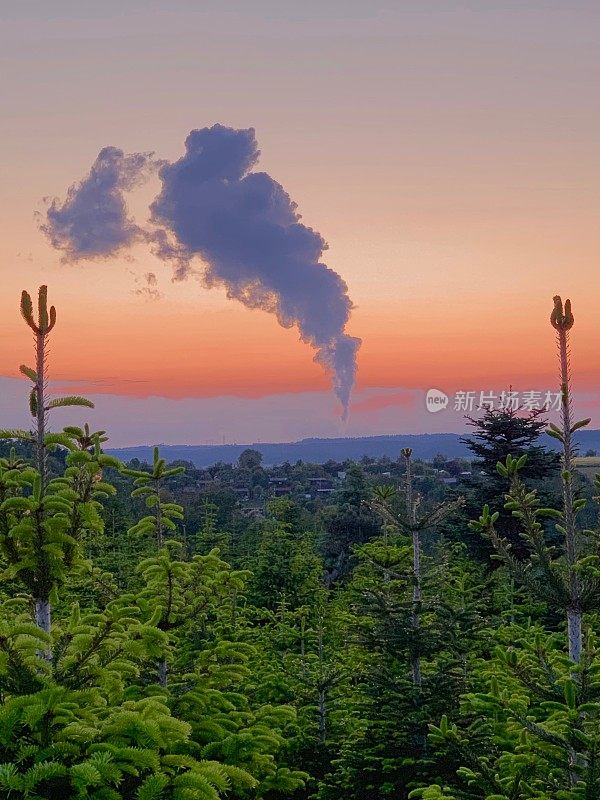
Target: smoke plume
(216,218)
(93,221)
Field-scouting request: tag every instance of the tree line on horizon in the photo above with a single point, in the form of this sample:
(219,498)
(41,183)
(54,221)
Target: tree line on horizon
(400,638)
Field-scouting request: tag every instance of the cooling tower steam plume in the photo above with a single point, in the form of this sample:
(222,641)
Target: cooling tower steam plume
(245,228)
(216,218)
(93,221)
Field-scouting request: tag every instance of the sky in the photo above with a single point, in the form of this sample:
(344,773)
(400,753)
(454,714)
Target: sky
(447,153)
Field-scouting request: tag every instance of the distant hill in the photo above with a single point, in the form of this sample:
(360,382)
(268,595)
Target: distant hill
(317,451)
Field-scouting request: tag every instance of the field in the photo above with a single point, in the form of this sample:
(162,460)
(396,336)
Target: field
(589,466)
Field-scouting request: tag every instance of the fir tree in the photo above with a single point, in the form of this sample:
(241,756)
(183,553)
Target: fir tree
(209,536)
(497,434)
(536,726)
(43,526)
(285,568)
(350,522)
(150,485)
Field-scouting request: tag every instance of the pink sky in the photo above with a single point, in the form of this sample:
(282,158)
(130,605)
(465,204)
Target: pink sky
(446,151)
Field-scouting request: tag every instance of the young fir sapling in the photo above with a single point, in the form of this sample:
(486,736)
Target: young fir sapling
(568,579)
(46,518)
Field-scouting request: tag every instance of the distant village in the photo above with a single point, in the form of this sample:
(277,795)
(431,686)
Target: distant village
(249,484)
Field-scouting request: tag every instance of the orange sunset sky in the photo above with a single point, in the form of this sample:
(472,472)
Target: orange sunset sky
(446,151)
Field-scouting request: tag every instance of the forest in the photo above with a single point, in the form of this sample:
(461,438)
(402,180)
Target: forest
(383,628)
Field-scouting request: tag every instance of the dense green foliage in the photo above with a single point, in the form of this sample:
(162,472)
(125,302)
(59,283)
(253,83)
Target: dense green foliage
(383,629)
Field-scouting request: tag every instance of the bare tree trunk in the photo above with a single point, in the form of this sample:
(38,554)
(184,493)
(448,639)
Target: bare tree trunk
(574,628)
(42,612)
(575,634)
(40,387)
(42,609)
(416,619)
(322,716)
(386,572)
(159,523)
(234,602)
(163,671)
(331,577)
(322,697)
(416,545)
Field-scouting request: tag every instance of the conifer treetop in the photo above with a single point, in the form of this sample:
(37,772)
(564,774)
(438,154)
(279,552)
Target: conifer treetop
(46,320)
(562,318)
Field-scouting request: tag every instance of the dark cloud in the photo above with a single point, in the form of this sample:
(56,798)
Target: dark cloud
(93,221)
(247,232)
